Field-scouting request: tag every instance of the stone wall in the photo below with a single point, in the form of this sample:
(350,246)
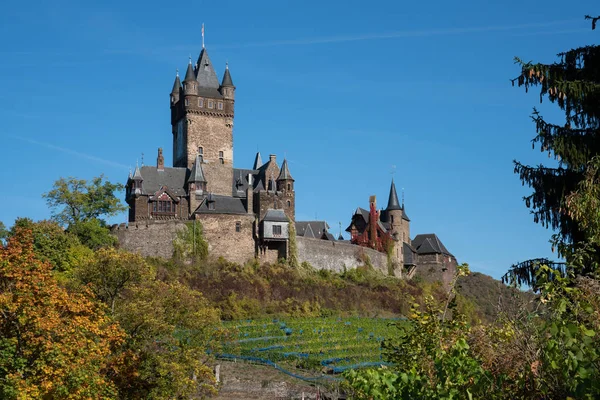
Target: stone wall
(436,267)
(224,240)
(154,239)
(334,256)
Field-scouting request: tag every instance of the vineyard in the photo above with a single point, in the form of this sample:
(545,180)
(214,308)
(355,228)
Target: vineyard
(330,345)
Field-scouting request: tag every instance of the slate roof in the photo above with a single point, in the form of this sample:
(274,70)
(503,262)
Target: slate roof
(189,74)
(328,236)
(308,232)
(410,255)
(275,216)
(226,77)
(222,205)
(176,85)
(207,77)
(258,161)
(316,227)
(197,174)
(429,244)
(240,181)
(173,178)
(393,203)
(284,173)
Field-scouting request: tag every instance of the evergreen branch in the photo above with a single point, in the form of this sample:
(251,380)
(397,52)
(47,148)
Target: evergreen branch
(525,272)
(594,20)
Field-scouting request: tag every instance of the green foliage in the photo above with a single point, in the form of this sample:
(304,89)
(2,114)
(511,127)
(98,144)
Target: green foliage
(573,84)
(93,233)
(169,328)
(3,232)
(293,250)
(76,200)
(190,243)
(111,272)
(53,244)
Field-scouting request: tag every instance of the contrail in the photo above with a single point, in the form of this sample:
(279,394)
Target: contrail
(73,152)
(401,34)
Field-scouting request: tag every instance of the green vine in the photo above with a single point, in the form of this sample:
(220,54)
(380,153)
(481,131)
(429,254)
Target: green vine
(293,253)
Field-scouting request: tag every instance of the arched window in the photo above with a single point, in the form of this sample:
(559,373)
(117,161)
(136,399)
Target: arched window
(289,186)
(289,203)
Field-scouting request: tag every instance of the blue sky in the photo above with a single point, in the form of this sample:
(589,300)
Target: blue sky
(349,91)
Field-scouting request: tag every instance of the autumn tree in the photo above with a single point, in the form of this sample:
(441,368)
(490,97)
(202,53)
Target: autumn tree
(169,327)
(53,344)
(573,84)
(51,243)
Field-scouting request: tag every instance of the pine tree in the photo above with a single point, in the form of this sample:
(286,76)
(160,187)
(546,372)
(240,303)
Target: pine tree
(573,83)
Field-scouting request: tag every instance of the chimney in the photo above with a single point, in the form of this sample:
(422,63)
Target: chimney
(272,157)
(250,195)
(160,160)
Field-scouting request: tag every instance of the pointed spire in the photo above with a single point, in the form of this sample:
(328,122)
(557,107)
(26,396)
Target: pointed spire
(393,203)
(227,77)
(258,161)
(284,174)
(137,174)
(176,84)
(197,174)
(189,74)
(206,76)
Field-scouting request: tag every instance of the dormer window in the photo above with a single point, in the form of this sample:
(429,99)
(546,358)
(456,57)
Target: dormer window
(206,66)
(211,205)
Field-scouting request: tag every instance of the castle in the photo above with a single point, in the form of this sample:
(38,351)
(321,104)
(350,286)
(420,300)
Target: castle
(246,213)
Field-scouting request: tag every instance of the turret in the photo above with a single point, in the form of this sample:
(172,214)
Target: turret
(227,89)
(190,85)
(176,89)
(137,181)
(196,184)
(398,220)
(285,184)
(257,161)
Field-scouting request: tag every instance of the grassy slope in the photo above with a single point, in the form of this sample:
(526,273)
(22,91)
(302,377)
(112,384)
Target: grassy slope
(253,291)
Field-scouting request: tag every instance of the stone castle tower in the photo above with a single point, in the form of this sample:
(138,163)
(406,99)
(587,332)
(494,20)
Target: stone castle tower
(202,111)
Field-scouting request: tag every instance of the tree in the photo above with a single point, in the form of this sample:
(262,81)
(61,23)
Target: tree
(3,231)
(93,233)
(75,200)
(51,243)
(170,328)
(111,272)
(53,344)
(573,83)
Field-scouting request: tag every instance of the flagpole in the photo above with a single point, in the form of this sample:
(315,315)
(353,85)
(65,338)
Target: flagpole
(203,35)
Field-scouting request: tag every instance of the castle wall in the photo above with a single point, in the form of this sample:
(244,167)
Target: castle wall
(333,256)
(436,267)
(154,239)
(223,239)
